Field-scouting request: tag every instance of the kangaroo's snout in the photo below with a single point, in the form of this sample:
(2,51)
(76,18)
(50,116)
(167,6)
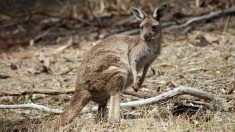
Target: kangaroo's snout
(147,37)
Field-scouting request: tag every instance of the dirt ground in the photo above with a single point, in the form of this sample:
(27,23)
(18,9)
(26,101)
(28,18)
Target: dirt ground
(201,57)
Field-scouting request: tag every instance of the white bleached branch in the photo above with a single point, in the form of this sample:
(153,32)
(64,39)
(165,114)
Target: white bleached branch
(31,106)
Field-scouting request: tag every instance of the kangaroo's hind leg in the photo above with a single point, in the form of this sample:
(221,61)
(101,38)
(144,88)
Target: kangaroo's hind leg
(119,83)
(114,110)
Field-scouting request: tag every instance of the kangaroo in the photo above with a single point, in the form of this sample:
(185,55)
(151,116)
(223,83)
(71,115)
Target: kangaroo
(112,65)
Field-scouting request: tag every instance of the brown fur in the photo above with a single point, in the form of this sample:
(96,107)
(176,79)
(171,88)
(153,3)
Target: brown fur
(110,67)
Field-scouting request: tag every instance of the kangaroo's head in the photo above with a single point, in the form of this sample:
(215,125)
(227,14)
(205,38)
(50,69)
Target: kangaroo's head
(150,25)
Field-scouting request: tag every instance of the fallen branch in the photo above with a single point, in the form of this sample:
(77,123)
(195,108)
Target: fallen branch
(175,92)
(181,90)
(207,16)
(31,106)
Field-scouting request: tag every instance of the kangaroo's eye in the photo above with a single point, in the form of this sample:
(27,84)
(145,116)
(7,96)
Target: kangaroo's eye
(154,27)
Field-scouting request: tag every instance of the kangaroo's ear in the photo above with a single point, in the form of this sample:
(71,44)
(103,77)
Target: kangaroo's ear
(160,11)
(139,14)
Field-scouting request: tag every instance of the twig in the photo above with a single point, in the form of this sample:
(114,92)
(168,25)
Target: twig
(230,91)
(130,91)
(13,23)
(41,35)
(37,91)
(62,48)
(231,97)
(56,24)
(31,106)
(162,97)
(208,105)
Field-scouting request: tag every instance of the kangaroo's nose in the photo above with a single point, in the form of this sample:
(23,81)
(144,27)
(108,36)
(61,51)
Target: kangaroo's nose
(146,37)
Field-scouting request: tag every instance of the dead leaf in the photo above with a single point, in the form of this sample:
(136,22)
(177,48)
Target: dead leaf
(41,57)
(33,70)
(46,62)
(46,66)
(202,41)
(211,38)
(13,66)
(27,55)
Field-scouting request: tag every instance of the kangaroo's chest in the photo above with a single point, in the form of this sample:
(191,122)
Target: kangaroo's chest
(144,59)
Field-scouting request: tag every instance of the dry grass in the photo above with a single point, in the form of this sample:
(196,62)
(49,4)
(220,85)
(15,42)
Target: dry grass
(182,61)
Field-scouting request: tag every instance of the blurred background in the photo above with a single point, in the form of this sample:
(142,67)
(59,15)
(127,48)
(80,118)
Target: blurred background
(22,21)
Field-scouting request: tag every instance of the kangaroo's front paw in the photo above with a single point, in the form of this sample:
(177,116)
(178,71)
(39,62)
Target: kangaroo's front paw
(136,87)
